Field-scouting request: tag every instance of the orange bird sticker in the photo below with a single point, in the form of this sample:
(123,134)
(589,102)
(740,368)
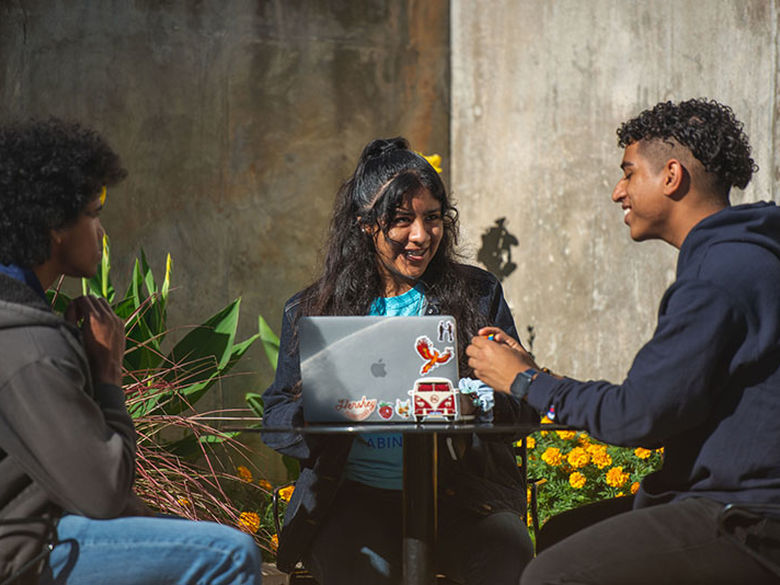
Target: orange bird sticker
(432,356)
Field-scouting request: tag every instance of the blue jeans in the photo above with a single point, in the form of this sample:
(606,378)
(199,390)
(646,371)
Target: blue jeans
(143,550)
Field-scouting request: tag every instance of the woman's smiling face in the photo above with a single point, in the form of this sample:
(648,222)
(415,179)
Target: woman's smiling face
(413,237)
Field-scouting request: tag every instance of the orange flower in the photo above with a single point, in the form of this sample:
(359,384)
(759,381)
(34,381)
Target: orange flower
(566,435)
(286,492)
(642,453)
(530,442)
(265,484)
(616,477)
(249,522)
(244,473)
(577,480)
(552,456)
(274,541)
(578,457)
(635,487)
(600,457)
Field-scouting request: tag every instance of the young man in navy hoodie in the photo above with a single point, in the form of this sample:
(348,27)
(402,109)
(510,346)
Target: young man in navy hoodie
(706,386)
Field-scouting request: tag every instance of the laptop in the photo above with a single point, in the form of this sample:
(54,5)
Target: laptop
(380,369)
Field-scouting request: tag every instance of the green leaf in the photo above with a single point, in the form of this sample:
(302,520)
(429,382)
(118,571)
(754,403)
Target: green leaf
(255,403)
(202,355)
(293,467)
(269,340)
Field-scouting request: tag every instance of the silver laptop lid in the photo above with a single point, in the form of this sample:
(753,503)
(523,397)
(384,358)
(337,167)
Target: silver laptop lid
(379,369)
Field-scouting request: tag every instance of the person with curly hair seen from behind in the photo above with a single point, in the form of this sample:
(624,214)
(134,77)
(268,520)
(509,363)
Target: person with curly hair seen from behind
(391,251)
(706,387)
(67,443)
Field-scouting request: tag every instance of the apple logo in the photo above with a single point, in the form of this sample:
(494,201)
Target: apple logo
(378,369)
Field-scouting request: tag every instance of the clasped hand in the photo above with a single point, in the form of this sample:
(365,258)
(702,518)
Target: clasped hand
(104,337)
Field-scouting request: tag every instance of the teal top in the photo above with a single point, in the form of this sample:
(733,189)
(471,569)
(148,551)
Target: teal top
(377,459)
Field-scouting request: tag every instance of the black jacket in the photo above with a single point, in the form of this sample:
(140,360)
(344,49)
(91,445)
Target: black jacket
(485,479)
(65,445)
(707,385)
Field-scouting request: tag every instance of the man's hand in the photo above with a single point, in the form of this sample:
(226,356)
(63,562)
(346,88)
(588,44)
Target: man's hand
(104,337)
(498,361)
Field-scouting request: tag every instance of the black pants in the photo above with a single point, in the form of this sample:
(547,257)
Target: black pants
(360,543)
(685,542)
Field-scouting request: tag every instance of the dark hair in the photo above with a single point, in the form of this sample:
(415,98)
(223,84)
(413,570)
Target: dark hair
(705,127)
(387,172)
(49,171)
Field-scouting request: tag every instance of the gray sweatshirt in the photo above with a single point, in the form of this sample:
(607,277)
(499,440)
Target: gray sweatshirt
(66,445)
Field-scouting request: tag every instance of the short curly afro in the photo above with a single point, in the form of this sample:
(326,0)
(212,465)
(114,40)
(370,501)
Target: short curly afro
(707,128)
(49,171)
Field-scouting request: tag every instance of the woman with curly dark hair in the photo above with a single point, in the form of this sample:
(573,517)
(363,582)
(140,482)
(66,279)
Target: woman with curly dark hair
(391,251)
(67,442)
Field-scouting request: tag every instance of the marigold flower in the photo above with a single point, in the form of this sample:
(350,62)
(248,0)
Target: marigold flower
(286,492)
(642,453)
(616,477)
(274,541)
(578,457)
(244,473)
(660,450)
(552,456)
(601,458)
(265,484)
(566,435)
(577,480)
(530,442)
(249,522)
(184,502)
(635,487)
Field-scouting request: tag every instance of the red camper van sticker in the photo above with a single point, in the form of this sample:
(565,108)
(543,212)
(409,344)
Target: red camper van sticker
(434,399)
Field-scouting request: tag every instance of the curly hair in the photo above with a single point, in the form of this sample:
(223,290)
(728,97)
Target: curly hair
(707,128)
(388,171)
(49,171)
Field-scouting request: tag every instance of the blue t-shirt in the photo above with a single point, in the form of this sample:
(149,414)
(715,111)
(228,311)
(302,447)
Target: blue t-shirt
(377,459)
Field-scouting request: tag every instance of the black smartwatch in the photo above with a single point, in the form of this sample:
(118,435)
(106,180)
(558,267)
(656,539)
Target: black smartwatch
(521,383)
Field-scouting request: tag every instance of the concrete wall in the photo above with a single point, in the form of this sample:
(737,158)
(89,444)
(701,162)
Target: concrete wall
(538,89)
(237,119)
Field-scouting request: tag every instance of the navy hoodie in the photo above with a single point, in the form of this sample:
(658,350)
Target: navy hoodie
(707,385)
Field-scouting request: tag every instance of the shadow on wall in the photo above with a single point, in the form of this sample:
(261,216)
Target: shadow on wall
(496,251)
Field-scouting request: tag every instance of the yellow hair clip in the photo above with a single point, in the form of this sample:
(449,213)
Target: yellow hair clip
(103,195)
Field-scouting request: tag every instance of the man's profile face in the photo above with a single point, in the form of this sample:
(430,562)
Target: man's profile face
(640,194)
(78,247)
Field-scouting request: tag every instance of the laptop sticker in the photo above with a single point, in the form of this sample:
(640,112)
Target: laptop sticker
(434,398)
(432,356)
(385,410)
(446,331)
(356,409)
(403,408)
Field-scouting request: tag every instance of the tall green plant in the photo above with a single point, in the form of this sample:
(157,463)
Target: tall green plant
(176,472)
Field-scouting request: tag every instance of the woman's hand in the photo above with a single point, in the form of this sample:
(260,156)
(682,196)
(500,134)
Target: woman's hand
(497,360)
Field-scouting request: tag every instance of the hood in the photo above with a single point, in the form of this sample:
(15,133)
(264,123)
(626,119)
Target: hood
(21,306)
(751,223)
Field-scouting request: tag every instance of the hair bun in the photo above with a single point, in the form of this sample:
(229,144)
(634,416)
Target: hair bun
(382,146)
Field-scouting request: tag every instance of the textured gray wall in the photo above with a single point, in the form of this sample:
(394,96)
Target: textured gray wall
(238,120)
(538,89)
